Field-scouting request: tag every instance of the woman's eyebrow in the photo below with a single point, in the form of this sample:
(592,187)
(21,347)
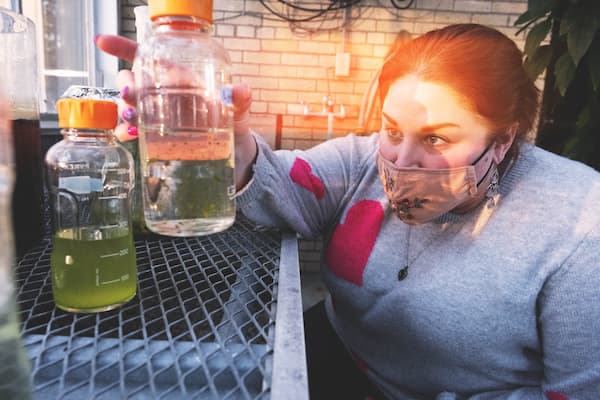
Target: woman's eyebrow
(441,125)
(424,128)
(389,119)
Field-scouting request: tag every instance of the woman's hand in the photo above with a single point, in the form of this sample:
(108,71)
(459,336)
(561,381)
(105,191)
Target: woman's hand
(5,134)
(124,49)
(245,146)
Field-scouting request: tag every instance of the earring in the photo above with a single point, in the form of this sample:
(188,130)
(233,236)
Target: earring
(492,189)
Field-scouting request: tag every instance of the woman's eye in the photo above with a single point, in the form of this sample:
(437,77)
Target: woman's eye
(434,140)
(393,133)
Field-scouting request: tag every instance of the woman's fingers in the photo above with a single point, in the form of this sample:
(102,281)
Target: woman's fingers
(242,100)
(118,46)
(5,138)
(127,111)
(245,145)
(125,49)
(125,132)
(126,84)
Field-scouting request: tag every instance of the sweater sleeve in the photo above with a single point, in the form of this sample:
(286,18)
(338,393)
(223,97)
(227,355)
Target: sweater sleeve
(569,323)
(304,190)
(569,328)
(528,393)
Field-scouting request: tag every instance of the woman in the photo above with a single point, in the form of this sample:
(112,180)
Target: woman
(370,110)
(462,262)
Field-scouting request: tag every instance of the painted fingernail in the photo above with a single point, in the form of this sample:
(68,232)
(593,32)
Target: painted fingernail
(124,92)
(128,115)
(96,37)
(132,130)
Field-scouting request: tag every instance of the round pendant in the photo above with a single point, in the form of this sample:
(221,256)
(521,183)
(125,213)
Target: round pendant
(403,273)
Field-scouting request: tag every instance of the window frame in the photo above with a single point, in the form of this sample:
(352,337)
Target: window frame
(100,16)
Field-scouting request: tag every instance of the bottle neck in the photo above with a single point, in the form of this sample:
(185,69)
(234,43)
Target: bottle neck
(87,135)
(181,23)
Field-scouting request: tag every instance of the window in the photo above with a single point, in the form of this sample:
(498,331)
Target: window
(67,55)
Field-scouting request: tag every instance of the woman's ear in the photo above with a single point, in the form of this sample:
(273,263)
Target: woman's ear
(503,143)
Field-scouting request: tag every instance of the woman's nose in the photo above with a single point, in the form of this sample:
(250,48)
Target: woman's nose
(408,155)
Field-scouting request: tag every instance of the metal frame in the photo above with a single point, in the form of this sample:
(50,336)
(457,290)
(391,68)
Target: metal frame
(215,317)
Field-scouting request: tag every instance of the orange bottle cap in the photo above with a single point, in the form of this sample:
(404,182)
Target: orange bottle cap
(86,113)
(195,8)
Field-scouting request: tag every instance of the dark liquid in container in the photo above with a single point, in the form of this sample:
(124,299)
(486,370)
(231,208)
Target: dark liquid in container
(27,195)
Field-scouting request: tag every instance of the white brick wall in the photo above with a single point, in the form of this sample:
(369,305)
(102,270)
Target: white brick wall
(284,68)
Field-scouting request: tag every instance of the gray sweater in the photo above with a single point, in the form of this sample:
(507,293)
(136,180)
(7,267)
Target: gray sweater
(500,303)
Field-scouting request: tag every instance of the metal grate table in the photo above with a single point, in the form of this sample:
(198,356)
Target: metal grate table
(215,317)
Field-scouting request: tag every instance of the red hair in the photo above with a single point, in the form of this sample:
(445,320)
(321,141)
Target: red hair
(482,65)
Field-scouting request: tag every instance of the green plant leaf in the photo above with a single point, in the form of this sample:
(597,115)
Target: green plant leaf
(582,143)
(581,33)
(596,11)
(536,9)
(568,21)
(539,8)
(571,146)
(564,71)
(536,35)
(594,62)
(536,64)
(585,116)
(524,18)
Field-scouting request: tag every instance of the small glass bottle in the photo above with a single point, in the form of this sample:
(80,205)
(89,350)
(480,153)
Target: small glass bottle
(14,367)
(185,121)
(90,177)
(103,93)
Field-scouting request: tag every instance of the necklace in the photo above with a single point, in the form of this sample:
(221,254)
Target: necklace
(403,273)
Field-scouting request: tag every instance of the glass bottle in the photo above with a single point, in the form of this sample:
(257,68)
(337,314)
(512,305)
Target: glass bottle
(14,367)
(142,22)
(185,122)
(103,93)
(137,208)
(90,178)
(18,71)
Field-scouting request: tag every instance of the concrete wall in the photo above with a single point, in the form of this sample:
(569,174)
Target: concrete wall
(284,67)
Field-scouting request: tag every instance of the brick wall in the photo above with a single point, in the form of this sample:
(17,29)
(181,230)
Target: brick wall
(284,68)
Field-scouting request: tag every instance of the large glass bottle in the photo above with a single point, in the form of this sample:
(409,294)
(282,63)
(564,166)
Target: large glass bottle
(14,368)
(90,177)
(185,122)
(18,70)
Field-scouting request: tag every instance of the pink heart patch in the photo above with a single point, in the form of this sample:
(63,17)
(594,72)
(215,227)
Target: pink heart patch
(551,395)
(301,174)
(352,242)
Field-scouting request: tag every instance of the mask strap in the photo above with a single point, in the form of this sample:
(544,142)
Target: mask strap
(485,175)
(482,154)
(490,167)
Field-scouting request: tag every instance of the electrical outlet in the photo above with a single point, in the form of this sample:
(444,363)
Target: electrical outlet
(342,64)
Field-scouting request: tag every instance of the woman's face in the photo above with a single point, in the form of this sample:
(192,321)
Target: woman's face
(426,125)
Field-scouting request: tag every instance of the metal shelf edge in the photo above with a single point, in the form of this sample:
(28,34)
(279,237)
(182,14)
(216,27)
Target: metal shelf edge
(290,380)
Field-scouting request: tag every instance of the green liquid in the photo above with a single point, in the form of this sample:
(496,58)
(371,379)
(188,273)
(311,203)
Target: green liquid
(190,197)
(93,269)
